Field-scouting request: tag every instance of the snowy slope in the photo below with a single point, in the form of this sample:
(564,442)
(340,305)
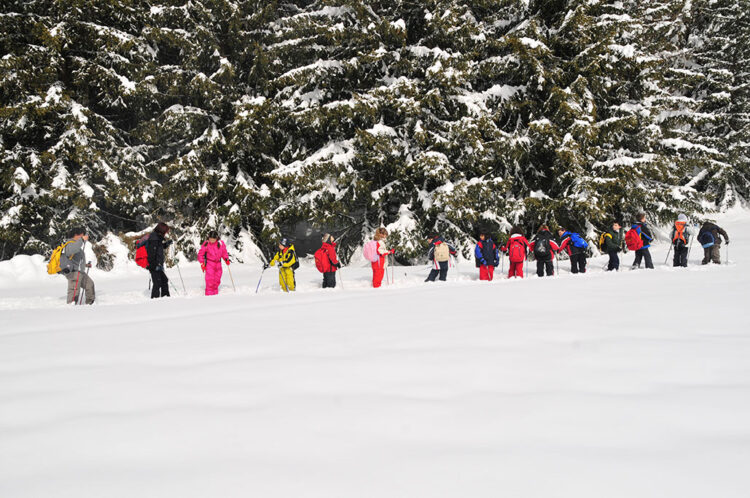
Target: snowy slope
(634,384)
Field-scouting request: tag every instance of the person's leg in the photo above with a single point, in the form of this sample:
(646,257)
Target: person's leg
(213,278)
(540,268)
(716,254)
(433,275)
(574,263)
(519,269)
(582,263)
(377,274)
(88,286)
(676,257)
(484,272)
(647,259)
(291,281)
(490,272)
(549,266)
(164,284)
(611,262)
(617,261)
(638,258)
(332,280)
(155,284)
(72,286)
(444,271)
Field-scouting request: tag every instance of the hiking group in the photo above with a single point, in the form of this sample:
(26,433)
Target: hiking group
(69,258)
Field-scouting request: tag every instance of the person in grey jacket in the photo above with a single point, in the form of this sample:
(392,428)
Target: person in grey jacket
(680,237)
(75,268)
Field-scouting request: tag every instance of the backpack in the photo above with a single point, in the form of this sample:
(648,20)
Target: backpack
(141,254)
(679,235)
(603,240)
(706,239)
(370,251)
(578,241)
(442,252)
(320,258)
(488,252)
(542,249)
(516,250)
(633,239)
(58,261)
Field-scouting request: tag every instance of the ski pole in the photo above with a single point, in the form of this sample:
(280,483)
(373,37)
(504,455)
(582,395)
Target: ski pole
(173,287)
(181,280)
(231,277)
(75,289)
(83,289)
(261,278)
(727,253)
(281,274)
(670,250)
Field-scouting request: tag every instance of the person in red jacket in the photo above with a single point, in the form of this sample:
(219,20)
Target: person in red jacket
(517,248)
(329,261)
(544,246)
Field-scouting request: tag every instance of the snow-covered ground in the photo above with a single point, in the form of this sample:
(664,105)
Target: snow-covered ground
(635,384)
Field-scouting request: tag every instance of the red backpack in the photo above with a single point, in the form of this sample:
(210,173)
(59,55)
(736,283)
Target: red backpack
(516,250)
(633,239)
(320,260)
(141,255)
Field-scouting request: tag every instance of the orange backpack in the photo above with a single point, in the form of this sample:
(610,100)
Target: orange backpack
(679,234)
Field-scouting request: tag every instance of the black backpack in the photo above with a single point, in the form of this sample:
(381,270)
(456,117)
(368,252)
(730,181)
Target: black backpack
(542,249)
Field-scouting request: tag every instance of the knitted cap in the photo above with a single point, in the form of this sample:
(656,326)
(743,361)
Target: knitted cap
(682,217)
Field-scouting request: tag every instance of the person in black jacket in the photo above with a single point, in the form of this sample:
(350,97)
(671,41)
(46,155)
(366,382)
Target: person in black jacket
(709,238)
(155,249)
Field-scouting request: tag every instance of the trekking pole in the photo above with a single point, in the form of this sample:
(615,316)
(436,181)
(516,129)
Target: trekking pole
(393,267)
(727,253)
(341,280)
(83,289)
(231,277)
(670,250)
(690,246)
(261,278)
(181,280)
(75,289)
(174,288)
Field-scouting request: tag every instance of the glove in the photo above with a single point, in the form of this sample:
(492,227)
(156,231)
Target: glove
(727,241)
(338,265)
(203,268)
(88,265)
(483,262)
(392,251)
(265,266)
(227,262)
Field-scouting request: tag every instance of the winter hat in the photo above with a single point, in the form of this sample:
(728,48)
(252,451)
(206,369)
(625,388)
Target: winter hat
(161,228)
(326,237)
(284,242)
(682,218)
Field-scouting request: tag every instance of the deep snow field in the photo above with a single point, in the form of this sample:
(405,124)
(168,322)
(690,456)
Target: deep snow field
(634,384)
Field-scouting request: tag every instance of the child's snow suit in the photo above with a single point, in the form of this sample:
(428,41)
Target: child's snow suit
(713,253)
(440,258)
(210,256)
(517,248)
(488,257)
(577,252)
(286,259)
(547,264)
(680,238)
(379,266)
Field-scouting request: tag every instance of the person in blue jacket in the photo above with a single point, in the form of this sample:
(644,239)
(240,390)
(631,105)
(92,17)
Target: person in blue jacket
(575,246)
(647,237)
(487,256)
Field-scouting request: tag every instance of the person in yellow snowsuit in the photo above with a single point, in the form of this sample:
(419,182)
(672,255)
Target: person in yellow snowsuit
(287,259)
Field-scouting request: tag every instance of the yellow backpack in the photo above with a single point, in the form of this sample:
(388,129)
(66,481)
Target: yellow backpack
(53,267)
(602,240)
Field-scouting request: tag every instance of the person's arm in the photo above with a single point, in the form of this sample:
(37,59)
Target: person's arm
(382,250)
(723,234)
(276,257)
(478,255)
(224,253)
(332,257)
(431,252)
(452,250)
(289,259)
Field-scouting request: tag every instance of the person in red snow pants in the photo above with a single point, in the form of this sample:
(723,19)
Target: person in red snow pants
(486,272)
(210,255)
(378,267)
(517,249)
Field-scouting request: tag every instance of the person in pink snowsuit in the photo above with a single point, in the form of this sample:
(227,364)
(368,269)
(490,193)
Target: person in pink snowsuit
(210,255)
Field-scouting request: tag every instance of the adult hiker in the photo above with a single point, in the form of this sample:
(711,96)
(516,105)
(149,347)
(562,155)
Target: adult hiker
(211,253)
(286,256)
(327,262)
(575,246)
(74,268)
(708,236)
(376,252)
(544,246)
(680,238)
(487,256)
(517,248)
(439,253)
(639,239)
(610,243)
(155,247)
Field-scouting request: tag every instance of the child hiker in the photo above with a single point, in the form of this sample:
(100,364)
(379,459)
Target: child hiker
(487,256)
(610,243)
(544,248)
(574,244)
(210,255)
(287,259)
(326,261)
(440,253)
(517,248)
(379,266)
(680,237)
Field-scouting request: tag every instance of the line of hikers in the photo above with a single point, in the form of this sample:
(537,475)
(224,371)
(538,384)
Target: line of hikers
(69,258)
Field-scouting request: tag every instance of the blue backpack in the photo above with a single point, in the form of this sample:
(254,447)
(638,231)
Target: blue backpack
(577,240)
(706,239)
